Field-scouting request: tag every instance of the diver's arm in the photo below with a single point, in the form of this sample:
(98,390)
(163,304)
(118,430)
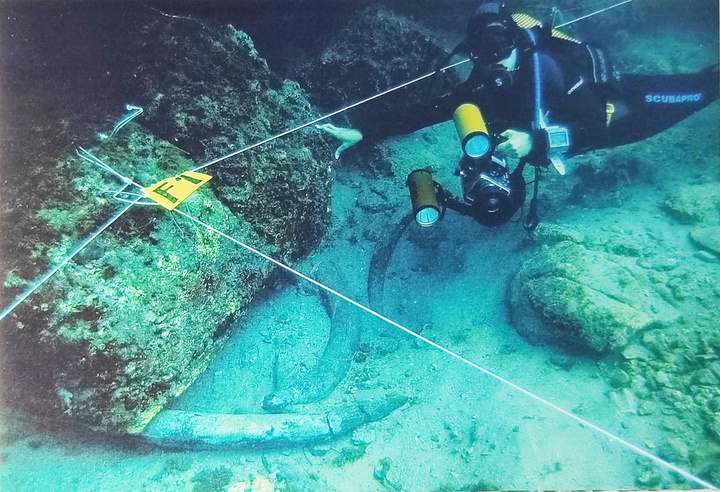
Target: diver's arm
(375,120)
(534,147)
(378,123)
(384,125)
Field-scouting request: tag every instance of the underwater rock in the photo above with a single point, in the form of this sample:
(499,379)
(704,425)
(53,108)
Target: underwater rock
(381,471)
(376,50)
(207,90)
(378,199)
(624,400)
(581,299)
(602,176)
(548,233)
(637,351)
(674,450)
(140,312)
(707,237)
(695,204)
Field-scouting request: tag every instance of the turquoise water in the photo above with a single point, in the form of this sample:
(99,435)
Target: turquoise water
(159,314)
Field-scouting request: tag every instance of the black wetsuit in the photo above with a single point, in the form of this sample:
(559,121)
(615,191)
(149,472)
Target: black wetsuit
(578,90)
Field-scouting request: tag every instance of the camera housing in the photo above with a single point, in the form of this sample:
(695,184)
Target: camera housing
(491,193)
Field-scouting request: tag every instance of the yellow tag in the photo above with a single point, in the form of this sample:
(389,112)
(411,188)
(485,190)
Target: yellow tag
(171,192)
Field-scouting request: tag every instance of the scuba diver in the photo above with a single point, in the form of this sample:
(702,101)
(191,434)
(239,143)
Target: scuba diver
(537,96)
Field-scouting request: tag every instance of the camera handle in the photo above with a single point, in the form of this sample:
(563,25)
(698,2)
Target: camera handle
(449,201)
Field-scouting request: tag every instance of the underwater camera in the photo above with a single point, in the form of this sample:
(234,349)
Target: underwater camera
(491,193)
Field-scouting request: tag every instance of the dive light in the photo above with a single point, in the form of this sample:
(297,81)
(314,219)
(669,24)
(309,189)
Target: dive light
(472,132)
(423,196)
(491,193)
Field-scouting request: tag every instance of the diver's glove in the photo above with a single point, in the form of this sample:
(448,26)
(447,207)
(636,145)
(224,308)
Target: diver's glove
(347,136)
(532,147)
(537,146)
(518,144)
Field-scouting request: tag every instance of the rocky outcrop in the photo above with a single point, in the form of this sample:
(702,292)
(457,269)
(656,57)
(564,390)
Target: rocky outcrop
(698,205)
(137,314)
(207,90)
(647,310)
(584,300)
(707,238)
(695,204)
(376,51)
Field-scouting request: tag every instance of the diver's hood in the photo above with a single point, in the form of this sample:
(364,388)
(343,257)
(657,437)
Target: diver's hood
(490,34)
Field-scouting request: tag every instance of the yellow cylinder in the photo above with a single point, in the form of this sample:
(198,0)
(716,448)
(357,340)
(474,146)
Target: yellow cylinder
(423,195)
(471,131)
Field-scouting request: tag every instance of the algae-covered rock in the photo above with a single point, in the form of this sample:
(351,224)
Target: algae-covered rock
(707,238)
(695,204)
(377,50)
(139,312)
(207,90)
(548,233)
(582,299)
